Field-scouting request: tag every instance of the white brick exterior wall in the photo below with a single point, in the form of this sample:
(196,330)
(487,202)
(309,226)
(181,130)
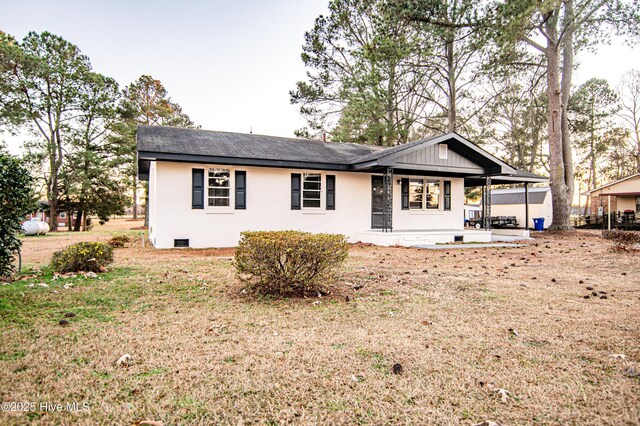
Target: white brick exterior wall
(269,207)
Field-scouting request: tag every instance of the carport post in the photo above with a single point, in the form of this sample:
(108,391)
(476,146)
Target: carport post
(526,206)
(484,205)
(487,218)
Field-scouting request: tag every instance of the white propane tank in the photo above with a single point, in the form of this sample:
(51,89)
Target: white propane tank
(35,227)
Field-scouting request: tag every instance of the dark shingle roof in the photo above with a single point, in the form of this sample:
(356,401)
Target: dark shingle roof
(175,140)
(205,146)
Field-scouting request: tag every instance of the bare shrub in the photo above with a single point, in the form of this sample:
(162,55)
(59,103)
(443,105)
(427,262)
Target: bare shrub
(623,240)
(119,240)
(288,263)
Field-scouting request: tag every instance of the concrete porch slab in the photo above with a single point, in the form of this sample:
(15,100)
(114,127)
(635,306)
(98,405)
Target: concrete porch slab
(516,232)
(467,246)
(415,237)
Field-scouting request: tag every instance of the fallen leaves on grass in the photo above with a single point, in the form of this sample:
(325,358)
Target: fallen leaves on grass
(217,328)
(147,423)
(631,372)
(124,361)
(505,395)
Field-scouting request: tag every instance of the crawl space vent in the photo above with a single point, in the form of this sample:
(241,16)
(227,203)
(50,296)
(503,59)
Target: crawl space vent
(181,243)
(458,238)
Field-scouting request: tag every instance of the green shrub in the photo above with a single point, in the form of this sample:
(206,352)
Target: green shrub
(119,240)
(623,240)
(288,263)
(15,204)
(89,256)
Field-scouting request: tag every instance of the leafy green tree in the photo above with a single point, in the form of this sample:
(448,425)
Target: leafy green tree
(15,203)
(144,101)
(92,171)
(362,85)
(592,108)
(42,79)
(556,30)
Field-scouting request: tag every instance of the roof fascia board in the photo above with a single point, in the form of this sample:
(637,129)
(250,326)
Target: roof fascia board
(611,184)
(203,159)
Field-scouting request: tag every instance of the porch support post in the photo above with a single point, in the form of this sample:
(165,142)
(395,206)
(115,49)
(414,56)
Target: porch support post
(387,215)
(526,206)
(609,212)
(487,219)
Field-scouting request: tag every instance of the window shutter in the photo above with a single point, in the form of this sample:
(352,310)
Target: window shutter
(405,194)
(331,192)
(296,179)
(241,190)
(447,195)
(197,188)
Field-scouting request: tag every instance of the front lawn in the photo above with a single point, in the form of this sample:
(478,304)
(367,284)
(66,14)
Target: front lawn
(463,324)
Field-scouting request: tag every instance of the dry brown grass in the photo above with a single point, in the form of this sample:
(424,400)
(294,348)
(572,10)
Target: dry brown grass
(205,354)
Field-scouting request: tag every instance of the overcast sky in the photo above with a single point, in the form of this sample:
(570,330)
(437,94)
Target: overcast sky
(230,64)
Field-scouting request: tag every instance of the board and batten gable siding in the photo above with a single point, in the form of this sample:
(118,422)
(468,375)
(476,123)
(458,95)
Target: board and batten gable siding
(268,206)
(430,155)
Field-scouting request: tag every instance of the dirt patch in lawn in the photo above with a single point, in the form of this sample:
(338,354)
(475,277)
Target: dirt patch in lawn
(546,334)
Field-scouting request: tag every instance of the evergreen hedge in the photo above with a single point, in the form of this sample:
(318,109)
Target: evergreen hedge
(16,203)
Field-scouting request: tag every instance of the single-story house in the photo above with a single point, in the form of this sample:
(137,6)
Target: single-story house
(64,219)
(511,202)
(206,187)
(623,195)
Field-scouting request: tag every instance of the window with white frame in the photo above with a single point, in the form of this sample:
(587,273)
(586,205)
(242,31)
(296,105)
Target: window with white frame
(433,194)
(311,190)
(63,215)
(219,187)
(416,194)
(424,194)
(637,204)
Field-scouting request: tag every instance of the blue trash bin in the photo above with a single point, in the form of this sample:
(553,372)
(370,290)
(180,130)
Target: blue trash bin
(538,223)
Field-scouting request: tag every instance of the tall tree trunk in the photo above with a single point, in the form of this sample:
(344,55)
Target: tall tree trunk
(391,88)
(52,196)
(557,181)
(567,154)
(636,130)
(78,222)
(452,124)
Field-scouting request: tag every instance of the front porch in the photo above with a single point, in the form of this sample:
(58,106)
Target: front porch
(415,237)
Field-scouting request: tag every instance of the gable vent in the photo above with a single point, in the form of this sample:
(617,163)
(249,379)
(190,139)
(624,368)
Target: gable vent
(443,151)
